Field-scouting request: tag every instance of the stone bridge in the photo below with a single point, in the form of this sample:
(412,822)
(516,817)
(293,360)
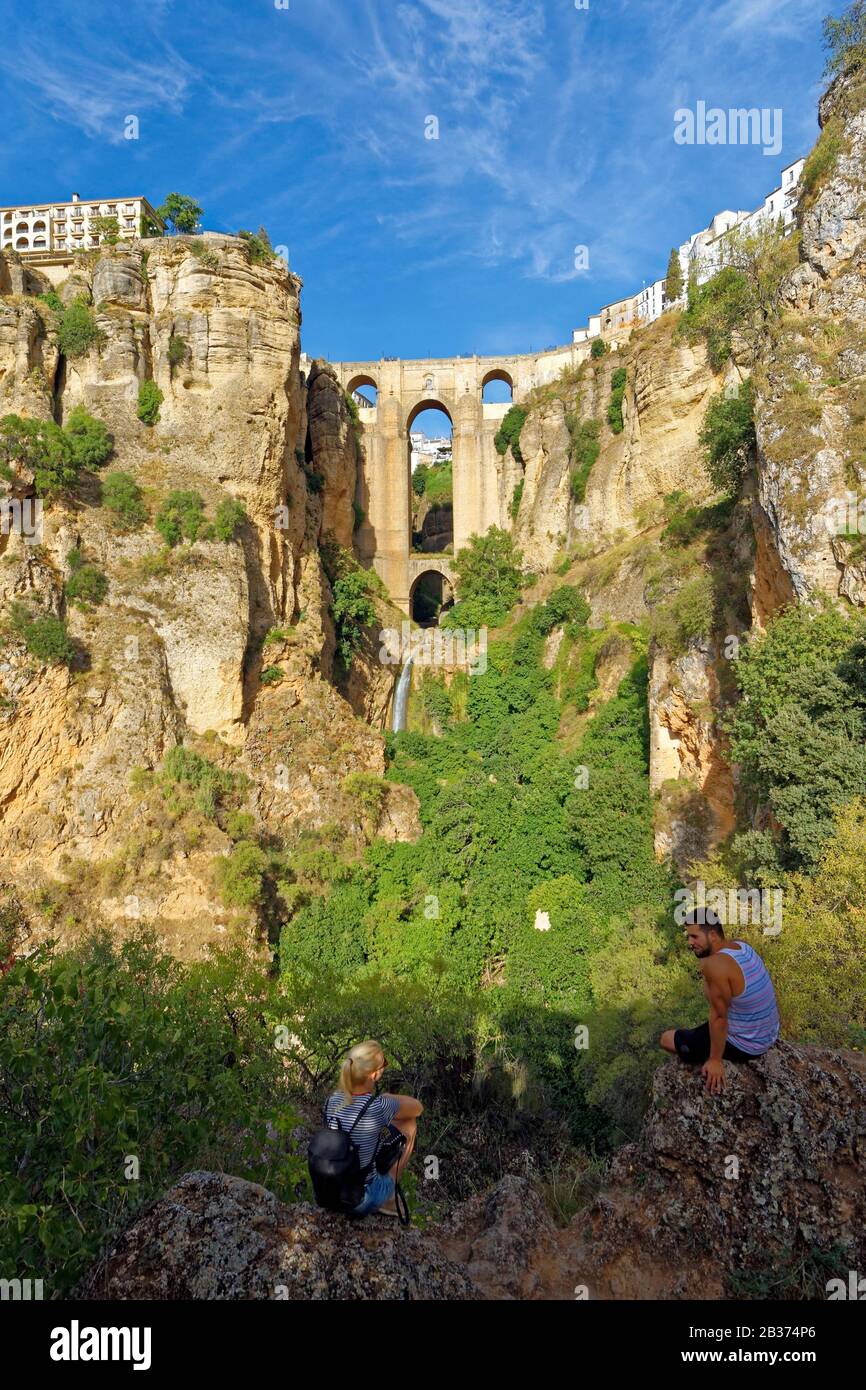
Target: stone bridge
(484,482)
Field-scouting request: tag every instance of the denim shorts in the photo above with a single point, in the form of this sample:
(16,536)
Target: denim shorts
(380,1189)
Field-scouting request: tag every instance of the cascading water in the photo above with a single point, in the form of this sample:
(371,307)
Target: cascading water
(401,697)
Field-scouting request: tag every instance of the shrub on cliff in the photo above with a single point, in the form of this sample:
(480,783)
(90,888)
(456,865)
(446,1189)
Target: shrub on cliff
(585,449)
(353,610)
(44,636)
(86,584)
(122,496)
(728,437)
(181,517)
(617,395)
(508,434)
(150,398)
(845,39)
(799,729)
(77,331)
(180,213)
(53,455)
(230,517)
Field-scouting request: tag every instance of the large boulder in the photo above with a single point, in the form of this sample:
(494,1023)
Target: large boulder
(218,1237)
(761,1188)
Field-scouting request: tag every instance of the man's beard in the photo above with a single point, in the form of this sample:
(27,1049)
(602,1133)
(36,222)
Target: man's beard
(702,955)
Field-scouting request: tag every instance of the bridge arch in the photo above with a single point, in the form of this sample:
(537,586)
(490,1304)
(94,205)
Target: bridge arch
(498,374)
(362,379)
(427,403)
(431,589)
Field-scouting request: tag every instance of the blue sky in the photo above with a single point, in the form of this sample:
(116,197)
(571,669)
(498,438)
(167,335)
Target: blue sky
(555,131)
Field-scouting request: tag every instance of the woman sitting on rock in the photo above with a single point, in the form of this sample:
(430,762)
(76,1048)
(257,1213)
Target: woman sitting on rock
(358,1111)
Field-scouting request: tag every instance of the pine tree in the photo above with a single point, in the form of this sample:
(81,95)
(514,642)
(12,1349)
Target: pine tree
(674,285)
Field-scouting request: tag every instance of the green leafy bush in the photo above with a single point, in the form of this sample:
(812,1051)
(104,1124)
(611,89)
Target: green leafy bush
(585,449)
(241,875)
(230,518)
(599,348)
(178,350)
(688,616)
(516,499)
(55,456)
(118,1050)
(617,394)
(122,496)
(353,610)
(728,437)
(44,636)
(86,584)
(183,767)
(565,605)
(89,441)
(181,517)
(508,434)
(150,398)
(77,332)
(489,579)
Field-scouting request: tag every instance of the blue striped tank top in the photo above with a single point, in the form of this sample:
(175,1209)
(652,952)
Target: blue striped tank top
(753,1018)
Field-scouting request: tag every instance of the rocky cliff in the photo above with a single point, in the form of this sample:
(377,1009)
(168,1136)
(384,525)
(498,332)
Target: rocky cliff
(176,651)
(811,410)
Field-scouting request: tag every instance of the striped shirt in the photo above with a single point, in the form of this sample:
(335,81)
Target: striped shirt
(753,1018)
(366,1133)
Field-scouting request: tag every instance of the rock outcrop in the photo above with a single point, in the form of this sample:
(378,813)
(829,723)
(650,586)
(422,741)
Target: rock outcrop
(767,1180)
(218,1237)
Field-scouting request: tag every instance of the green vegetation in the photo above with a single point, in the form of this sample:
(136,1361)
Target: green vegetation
(845,40)
(728,438)
(229,520)
(585,449)
(742,297)
(180,214)
(565,605)
(822,160)
(53,300)
(181,517)
(687,616)
(598,349)
(258,247)
(271,675)
(208,784)
(489,580)
(150,398)
(674,279)
(508,434)
(352,610)
(617,393)
(122,496)
(516,499)
(86,584)
(108,230)
(77,332)
(205,255)
(178,350)
(799,729)
(55,456)
(44,635)
(117,1050)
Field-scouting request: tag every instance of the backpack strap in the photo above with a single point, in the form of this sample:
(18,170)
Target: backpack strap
(336,1116)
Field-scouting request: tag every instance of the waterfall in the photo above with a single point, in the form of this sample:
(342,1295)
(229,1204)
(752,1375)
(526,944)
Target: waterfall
(401,697)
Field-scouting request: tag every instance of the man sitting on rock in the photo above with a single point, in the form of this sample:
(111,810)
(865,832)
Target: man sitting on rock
(744,1019)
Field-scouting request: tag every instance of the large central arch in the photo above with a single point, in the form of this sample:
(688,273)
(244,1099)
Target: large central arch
(484,480)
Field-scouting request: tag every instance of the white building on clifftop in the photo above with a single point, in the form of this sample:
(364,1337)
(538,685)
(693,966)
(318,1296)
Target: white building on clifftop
(62,228)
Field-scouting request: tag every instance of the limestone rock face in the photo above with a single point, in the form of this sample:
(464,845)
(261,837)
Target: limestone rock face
(175,651)
(669,384)
(218,1237)
(686,749)
(812,474)
(672,1224)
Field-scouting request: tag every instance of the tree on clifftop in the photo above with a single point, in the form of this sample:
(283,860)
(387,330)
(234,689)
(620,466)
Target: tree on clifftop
(674,278)
(845,39)
(180,213)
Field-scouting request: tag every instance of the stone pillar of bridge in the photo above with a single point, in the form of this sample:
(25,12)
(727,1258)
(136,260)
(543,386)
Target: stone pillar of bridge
(386,483)
(469,483)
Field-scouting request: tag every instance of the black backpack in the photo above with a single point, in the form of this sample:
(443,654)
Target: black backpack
(335,1164)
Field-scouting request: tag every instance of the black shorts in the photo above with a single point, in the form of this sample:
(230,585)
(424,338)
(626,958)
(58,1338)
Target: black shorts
(693,1046)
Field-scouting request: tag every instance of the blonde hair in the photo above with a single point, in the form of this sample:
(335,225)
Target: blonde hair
(360,1062)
